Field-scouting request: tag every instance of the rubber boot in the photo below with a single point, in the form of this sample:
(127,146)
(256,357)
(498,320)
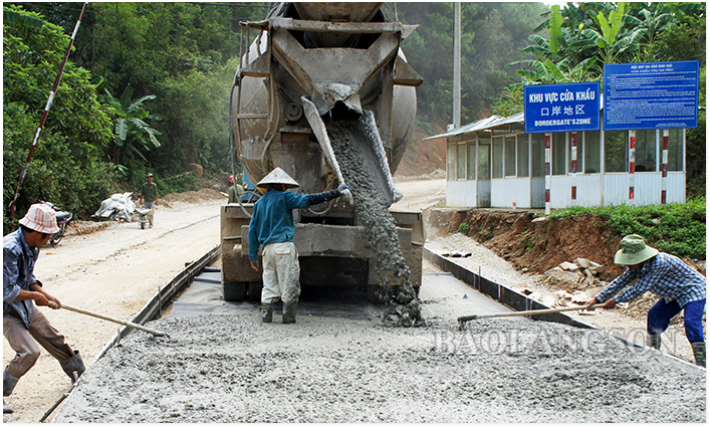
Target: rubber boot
(8,383)
(267,312)
(654,341)
(289,312)
(6,409)
(73,365)
(699,352)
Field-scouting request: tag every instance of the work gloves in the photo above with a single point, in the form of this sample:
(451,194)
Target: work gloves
(343,188)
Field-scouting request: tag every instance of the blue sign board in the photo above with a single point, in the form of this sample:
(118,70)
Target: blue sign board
(660,95)
(559,108)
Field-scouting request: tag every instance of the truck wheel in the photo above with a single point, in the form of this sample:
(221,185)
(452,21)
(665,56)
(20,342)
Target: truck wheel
(234,291)
(255,291)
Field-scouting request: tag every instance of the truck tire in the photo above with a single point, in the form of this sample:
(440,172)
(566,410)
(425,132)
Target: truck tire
(234,291)
(255,291)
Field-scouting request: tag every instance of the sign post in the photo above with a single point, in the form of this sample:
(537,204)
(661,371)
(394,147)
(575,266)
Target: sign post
(657,96)
(560,108)
(662,95)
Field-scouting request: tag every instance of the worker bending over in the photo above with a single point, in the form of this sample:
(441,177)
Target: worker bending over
(681,286)
(24,326)
(272,227)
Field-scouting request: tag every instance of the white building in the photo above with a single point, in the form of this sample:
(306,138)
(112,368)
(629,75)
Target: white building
(493,163)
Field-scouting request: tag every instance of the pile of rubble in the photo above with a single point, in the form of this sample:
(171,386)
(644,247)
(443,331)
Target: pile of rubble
(581,274)
(577,281)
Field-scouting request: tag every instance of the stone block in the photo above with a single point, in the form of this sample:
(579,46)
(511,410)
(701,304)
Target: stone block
(582,262)
(568,266)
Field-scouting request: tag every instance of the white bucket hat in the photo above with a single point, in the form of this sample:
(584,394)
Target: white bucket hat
(277,176)
(41,218)
(633,251)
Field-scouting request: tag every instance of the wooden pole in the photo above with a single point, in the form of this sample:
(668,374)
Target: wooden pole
(467,318)
(116,320)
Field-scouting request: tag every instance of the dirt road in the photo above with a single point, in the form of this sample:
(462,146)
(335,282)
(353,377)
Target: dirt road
(113,272)
(420,194)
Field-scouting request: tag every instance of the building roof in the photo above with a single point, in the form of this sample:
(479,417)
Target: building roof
(484,124)
(497,121)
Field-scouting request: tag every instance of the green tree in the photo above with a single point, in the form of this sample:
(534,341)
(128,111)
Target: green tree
(131,133)
(67,165)
(202,137)
(493,35)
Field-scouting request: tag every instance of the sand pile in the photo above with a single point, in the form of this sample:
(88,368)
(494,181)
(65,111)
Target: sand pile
(233,368)
(193,196)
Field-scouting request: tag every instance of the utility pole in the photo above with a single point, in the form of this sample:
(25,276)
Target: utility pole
(457,65)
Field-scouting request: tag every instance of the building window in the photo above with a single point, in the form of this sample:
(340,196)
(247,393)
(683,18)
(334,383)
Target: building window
(471,161)
(484,160)
(510,156)
(538,154)
(461,162)
(451,162)
(559,155)
(646,157)
(675,150)
(592,154)
(523,156)
(497,158)
(616,151)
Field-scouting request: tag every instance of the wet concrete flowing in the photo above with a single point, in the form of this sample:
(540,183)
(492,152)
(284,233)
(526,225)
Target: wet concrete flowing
(352,144)
(233,368)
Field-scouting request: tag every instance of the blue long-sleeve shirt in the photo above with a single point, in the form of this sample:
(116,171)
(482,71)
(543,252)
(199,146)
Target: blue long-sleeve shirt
(665,275)
(18,263)
(272,218)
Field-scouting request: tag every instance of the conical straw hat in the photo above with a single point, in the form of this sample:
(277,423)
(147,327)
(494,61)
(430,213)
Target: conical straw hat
(277,176)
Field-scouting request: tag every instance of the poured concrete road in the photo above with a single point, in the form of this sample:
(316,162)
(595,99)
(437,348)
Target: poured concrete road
(221,364)
(444,298)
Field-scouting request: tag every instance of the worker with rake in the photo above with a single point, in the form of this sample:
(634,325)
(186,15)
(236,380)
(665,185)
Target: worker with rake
(681,287)
(272,227)
(24,327)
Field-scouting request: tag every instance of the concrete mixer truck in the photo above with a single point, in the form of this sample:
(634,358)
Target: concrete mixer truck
(313,68)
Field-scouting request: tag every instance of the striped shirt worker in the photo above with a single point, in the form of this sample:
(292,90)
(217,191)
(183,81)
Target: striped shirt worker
(665,275)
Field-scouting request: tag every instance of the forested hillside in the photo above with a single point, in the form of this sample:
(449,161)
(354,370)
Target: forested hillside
(154,80)
(147,85)
(492,35)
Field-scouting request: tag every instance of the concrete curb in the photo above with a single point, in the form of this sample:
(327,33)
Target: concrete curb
(519,302)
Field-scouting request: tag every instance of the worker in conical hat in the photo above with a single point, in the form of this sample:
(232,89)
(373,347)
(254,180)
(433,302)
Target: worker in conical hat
(24,326)
(272,228)
(682,289)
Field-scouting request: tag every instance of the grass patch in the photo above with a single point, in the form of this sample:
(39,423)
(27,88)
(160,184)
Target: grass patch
(678,229)
(528,241)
